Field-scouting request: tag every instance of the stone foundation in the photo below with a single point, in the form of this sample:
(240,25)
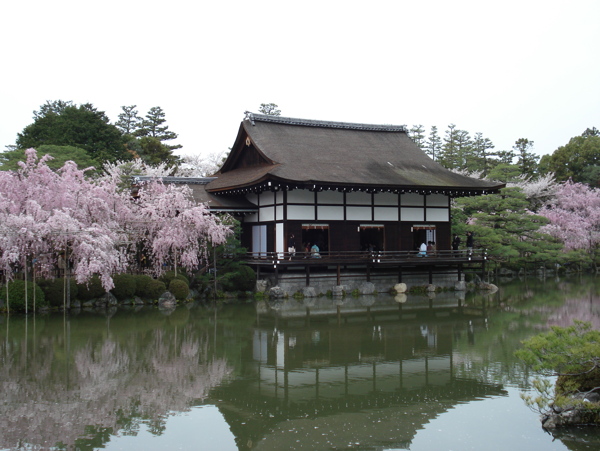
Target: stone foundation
(294,282)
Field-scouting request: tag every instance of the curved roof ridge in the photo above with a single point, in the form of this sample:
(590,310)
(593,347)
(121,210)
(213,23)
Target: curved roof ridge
(252,117)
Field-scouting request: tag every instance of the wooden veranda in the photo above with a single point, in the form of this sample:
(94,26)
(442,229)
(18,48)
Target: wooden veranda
(333,264)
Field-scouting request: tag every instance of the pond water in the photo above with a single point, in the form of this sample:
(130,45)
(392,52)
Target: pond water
(367,373)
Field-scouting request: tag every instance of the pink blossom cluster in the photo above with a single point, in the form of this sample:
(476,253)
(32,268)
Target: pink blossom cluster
(574,215)
(94,224)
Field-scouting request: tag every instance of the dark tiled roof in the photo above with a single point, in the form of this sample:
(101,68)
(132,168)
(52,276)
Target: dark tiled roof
(307,152)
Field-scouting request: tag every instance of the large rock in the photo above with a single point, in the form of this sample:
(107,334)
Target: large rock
(107,300)
(460,285)
(276,293)
(400,288)
(309,292)
(366,288)
(337,291)
(261,286)
(488,287)
(167,300)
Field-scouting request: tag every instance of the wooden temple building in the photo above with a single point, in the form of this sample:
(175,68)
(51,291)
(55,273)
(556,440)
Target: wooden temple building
(349,188)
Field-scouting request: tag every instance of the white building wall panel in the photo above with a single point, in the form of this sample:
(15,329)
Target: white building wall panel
(386,199)
(301,212)
(438,214)
(330,197)
(279,212)
(412,199)
(252,198)
(358,198)
(279,239)
(358,213)
(266,213)
(300,196)
(386,214)
(267,198)
(330,213)
(412,214)
(437,200)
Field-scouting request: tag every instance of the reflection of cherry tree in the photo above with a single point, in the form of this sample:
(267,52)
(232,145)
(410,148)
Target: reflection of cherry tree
(51,398)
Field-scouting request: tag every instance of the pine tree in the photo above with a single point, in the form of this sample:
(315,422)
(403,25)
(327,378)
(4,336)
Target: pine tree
(152,126)
(434,144)
(416,133)
(481,156)
(527,160)
(449,154)
(464,150)
(129,121)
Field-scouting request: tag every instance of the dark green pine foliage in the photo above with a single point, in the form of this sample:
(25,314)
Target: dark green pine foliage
(433,146)
(65,124)
(153,126)
(504,226)
(527,160)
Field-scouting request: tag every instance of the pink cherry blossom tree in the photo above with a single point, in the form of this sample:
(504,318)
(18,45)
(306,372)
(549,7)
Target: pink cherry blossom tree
(174,227)
(95,222)
(574,216)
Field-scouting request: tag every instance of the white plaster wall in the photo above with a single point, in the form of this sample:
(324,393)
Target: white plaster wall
(412,214)
(412,199)
(386,199)
(301,212)
(279,239)
(386,214)
(358,198)
(438,214)
(330,213)
(279,197)
(267,198)
(437,200)
(330,197)
(300,196)
(358,213)
(266,213)
(279,212)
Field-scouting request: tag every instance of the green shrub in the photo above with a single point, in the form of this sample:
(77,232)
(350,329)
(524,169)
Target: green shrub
(54,290)
(243,279)
(154,289)
(16,296)
(125,285)
(200,281)
(93,289)
(141,284)
(179,289)
(170,276)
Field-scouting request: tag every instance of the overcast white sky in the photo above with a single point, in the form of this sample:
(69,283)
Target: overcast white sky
(510,70)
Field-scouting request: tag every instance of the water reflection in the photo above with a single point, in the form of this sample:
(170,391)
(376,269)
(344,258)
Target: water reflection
(78,382)
(367,372)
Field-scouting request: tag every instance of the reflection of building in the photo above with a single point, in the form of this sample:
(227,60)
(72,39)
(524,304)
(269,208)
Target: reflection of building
(319,378)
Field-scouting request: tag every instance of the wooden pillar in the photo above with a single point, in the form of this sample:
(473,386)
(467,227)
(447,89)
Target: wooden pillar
(339,275)
(307,268)
(430,275)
